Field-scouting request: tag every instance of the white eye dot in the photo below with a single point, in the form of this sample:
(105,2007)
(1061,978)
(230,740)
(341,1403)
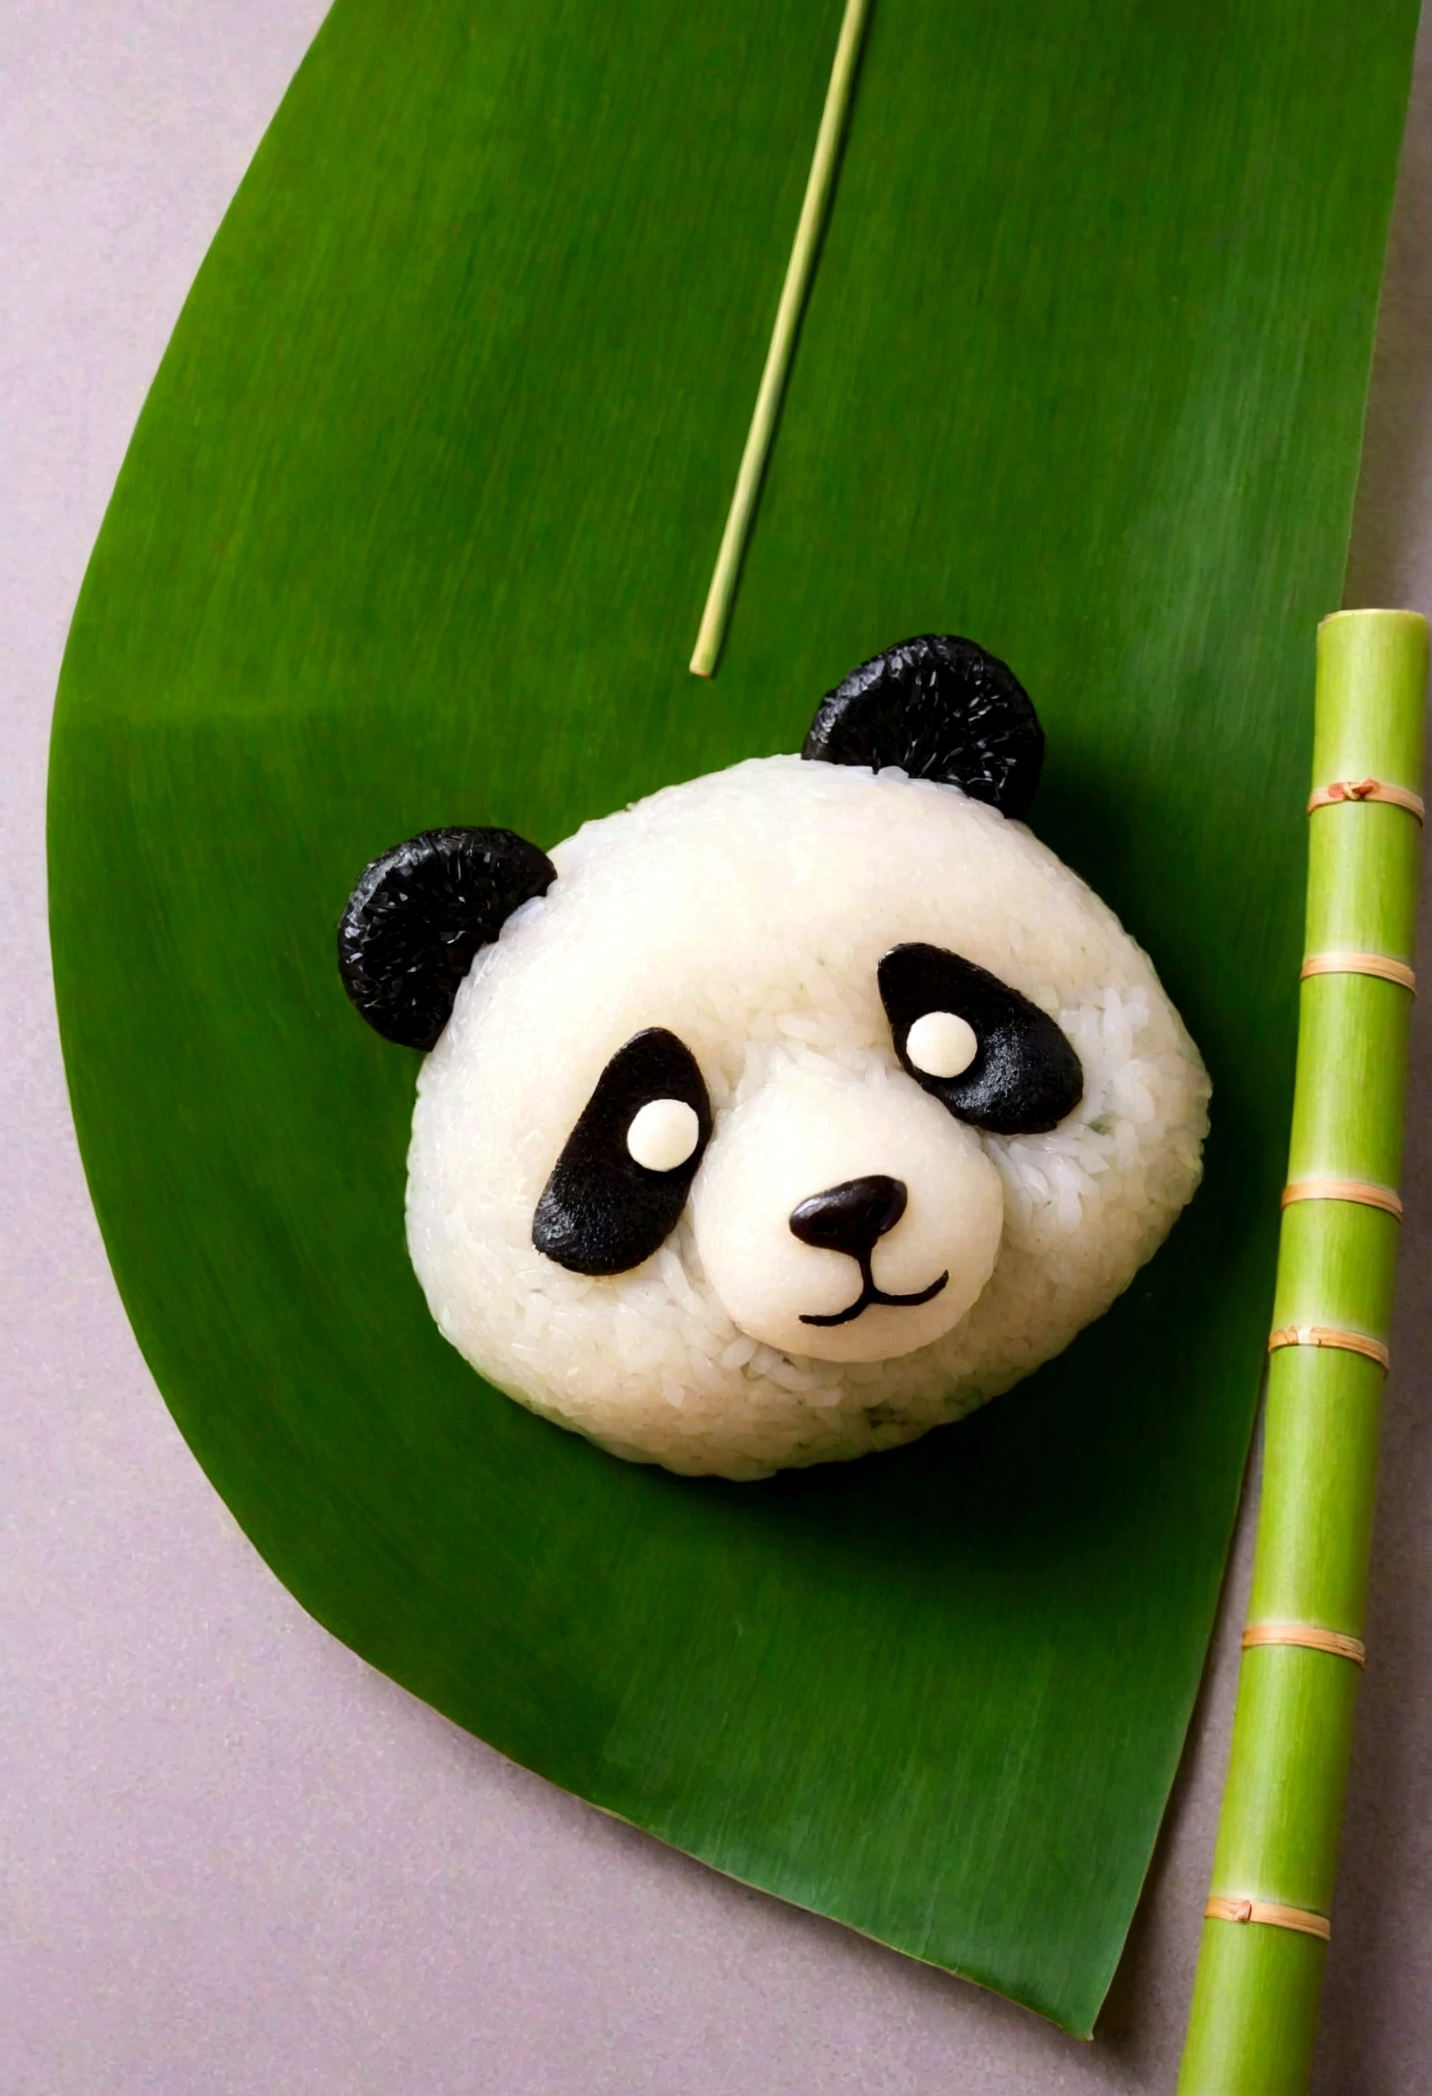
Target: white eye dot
(942,1044)
(663,1134)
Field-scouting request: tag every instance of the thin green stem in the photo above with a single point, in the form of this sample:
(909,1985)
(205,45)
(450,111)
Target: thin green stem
(1255,1999)
(783,336)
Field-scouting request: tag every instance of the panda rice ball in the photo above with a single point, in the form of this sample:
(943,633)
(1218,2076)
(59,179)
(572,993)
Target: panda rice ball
(794,1110)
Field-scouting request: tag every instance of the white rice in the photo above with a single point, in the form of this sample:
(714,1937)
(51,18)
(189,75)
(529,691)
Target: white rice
(746,911)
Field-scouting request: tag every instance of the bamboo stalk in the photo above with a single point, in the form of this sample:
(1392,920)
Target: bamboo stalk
(783,336)
(1256,1994)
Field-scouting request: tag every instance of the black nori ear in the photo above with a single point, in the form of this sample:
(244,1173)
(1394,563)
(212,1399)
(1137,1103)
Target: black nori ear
(419,914)
(939,708)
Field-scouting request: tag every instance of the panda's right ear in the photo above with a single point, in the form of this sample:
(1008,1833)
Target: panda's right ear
(938,707)
(418,915)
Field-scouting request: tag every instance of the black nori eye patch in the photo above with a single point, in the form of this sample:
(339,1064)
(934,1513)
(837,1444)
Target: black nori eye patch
(1025,1076)
(601,1212)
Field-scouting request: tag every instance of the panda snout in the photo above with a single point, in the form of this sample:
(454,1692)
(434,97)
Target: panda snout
(893,1247)
(853,1216)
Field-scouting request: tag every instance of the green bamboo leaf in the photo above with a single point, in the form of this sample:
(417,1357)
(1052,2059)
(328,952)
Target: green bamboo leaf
(411,532)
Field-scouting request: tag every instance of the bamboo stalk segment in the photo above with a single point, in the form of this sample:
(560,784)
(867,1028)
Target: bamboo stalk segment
(1256,1994)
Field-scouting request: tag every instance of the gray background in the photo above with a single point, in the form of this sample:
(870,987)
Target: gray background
(234,1859)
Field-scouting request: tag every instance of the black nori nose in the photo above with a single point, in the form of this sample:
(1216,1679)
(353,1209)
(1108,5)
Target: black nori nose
(851,1217)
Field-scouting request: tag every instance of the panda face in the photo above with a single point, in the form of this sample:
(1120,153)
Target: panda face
(997,1062)
(809,1106)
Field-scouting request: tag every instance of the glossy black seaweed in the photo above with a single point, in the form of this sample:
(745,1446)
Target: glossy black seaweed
(940,708)
(1026,1076)
(601,1212)
(418,915)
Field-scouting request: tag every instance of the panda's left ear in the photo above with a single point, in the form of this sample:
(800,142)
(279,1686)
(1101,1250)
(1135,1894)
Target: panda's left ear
(940,708)
(417,917)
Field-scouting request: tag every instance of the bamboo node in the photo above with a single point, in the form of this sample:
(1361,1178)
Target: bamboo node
(1330,1335)
(1367,790)
(1378,964)
(1270,1915)
(1360,1190)
(1311,1636)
